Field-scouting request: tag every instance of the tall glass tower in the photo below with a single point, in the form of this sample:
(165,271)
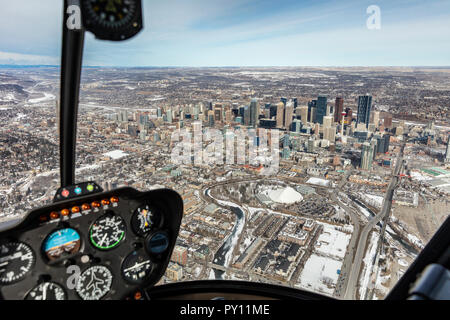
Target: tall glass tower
(364,107)
(321,109)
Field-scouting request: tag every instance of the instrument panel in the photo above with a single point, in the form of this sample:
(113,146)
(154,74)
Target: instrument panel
(108,245)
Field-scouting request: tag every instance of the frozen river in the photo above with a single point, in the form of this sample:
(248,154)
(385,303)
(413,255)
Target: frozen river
(224,254)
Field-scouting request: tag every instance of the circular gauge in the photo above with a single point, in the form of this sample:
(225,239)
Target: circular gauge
(62,242)
(16,261)
(107,232)
(144,219)
(110,13)
(94,283)
(157,242)
(136,267)
(47,291)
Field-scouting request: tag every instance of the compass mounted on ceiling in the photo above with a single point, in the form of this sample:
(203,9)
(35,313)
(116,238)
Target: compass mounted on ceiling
(114,20)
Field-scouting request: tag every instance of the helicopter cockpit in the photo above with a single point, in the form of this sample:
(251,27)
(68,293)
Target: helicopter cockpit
(91,244)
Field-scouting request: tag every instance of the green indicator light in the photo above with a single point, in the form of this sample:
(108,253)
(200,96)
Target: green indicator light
(90,188)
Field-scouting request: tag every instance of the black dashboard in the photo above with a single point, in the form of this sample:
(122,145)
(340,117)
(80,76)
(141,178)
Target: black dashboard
(109,245)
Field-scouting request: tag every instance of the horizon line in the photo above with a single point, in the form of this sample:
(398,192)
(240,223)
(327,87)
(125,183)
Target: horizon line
(198,67)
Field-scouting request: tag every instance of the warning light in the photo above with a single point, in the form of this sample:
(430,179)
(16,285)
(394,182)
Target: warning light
(137,295)
(75,209)
(54,215)
(96,204)
(114,199)
(65,193)
(105,202)
(85,207)
(65,212)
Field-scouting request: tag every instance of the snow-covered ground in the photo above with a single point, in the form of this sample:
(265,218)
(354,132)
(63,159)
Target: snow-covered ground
(320,274)
(364,211)
(416,175)
(47,97)
(369,260)
(415,240)
(373,200)
(332,243)
(8,97)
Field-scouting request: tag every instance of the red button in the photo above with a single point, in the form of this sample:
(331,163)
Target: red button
(65,193)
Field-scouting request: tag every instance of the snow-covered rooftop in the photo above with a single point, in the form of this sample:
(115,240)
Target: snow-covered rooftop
(116,154)
(285,195)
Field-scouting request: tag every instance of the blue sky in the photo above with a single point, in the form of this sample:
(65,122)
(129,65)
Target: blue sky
(244,33)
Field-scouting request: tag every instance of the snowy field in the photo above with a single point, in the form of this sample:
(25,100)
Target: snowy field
(319,275)
(47,97)
(332,243)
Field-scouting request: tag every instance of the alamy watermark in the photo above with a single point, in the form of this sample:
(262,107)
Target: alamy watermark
(255,147)
(374,20)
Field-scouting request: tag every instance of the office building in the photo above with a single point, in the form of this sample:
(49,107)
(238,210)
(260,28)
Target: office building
(364,108)
(179,255)
(174,271)
(268,123)
(288,115)
(338,109)
(366,156)
(280,115)
(169,116)
(304,114)
(320,110)
(327,121)
(246,117)
(388,121)
(310,146)
(375,118)
(254,113)
(296,126)
(211,118)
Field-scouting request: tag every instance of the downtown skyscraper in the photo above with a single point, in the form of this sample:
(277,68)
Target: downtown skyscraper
(338,109)
(254,113)
(321,109)
(364,108)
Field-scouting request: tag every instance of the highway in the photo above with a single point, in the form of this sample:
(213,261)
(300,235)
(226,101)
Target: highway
(347,263)
(352,284)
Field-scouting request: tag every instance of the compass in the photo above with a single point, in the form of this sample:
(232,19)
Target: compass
(114,20)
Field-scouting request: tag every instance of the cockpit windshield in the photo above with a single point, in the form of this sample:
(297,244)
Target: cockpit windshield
(309,140)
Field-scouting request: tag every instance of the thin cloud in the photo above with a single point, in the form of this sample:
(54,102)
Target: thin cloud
(27,59)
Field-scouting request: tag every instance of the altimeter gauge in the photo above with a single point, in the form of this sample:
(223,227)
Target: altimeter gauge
(107,232)
(47,291)
(16,261)
(136,267)
(94,283)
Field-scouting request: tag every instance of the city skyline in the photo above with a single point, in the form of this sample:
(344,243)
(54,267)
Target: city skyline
(245,33)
